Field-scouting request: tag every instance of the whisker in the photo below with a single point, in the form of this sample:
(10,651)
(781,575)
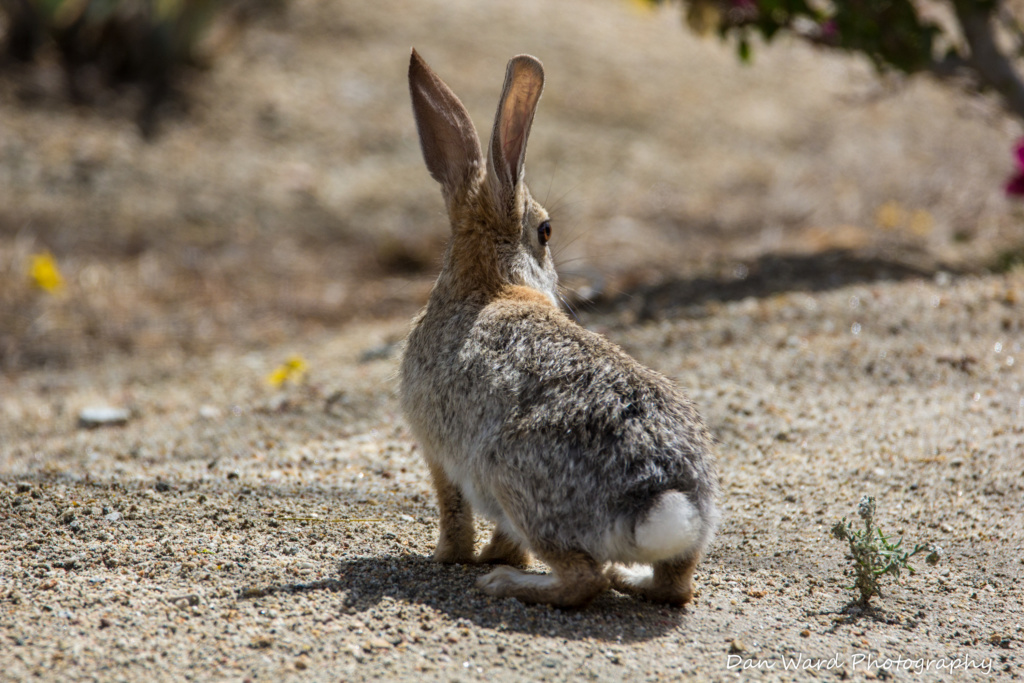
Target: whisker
(562,263)
(557,203)
(571,237)
(585,302)
(572,311)
(551,183)
(563,245)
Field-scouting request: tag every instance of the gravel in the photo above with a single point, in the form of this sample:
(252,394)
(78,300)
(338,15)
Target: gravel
(288,535)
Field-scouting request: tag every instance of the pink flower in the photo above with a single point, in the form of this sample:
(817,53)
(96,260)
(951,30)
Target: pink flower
(829,31)
(1015,185)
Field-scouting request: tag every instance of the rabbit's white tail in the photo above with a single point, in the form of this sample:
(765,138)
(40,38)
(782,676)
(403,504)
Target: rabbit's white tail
(673,527)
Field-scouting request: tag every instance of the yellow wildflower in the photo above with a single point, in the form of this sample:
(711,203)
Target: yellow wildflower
(44,272)
(294,370)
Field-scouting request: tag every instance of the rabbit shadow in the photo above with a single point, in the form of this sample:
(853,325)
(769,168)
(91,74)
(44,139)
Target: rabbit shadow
(762,277)
(365,582)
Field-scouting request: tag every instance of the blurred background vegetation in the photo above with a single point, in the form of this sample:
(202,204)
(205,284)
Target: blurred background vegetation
(976,43)
(183,176)
(103,45)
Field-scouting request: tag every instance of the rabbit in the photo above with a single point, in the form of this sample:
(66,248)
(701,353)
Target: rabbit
(578,453)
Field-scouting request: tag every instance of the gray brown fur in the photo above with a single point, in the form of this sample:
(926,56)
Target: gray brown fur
(546,428)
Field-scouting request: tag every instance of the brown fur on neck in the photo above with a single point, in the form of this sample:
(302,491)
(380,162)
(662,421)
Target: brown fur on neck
(473,267)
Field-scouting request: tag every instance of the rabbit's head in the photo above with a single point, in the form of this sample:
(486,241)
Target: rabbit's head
(499,232)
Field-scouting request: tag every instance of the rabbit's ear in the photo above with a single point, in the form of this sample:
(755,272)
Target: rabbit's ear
(449,141)
(524,81)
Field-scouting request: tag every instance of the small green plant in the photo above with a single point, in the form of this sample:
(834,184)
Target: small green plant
(874,554)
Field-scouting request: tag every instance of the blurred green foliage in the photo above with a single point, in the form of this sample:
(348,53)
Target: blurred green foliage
(890,32)
(944,37)
(107,43)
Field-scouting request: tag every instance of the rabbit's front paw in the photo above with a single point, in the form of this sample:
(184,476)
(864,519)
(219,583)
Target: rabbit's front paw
(453,553)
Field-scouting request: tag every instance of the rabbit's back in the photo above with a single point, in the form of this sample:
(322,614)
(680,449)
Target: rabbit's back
(550,424)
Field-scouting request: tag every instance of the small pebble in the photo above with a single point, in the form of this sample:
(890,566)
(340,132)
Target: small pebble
(183,601)
(102,416)
(377,644)
(208,412)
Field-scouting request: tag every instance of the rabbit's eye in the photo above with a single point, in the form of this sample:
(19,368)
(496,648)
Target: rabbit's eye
(544,232)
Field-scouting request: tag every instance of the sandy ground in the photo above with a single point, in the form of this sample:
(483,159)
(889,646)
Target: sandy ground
(229,531)
(816,257)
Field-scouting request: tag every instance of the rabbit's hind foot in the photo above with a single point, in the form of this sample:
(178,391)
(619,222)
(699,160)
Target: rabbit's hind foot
(670,582)
(575,580)
(503,550)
